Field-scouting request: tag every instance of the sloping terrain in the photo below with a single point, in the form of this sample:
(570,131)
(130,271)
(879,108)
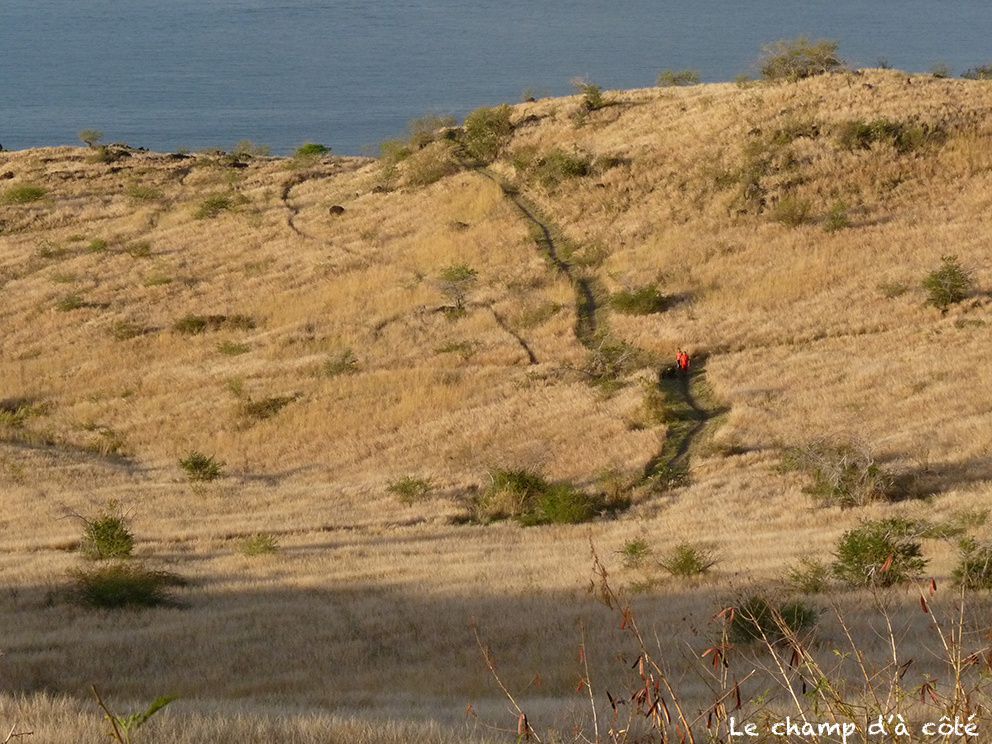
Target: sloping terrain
(156,305)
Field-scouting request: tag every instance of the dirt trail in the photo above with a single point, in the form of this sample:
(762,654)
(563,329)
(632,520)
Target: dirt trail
(287,189)
(686,418)
(501,322)
(549,239)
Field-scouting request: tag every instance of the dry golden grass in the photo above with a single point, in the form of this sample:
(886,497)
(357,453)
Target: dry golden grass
(366,607)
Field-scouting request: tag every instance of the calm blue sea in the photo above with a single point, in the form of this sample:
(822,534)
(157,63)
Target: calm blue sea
(169,74)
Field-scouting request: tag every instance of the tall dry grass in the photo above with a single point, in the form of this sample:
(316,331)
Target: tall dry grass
(810,333)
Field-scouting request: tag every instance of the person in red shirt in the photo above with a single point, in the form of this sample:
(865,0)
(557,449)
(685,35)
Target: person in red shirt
(682,361)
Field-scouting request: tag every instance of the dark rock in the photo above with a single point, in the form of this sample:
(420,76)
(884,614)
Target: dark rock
(8,175)
(336,209)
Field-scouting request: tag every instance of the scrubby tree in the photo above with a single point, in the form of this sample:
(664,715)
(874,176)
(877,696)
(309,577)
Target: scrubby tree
(592,94)
(456,281)
(487,132)
(678,78)
(982,72)
(948,284)
(91,137)
(883,553)
(795,59)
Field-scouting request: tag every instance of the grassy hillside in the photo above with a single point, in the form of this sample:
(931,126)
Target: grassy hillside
(300,322)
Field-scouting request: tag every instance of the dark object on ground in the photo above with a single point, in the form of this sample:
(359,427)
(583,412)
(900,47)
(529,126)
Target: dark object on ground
(8,175)
(336,209)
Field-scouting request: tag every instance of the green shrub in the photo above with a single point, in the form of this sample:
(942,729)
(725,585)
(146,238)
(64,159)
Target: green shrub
(792,211)
(201,467)
(643,301)
(213,206)
(974,568)
(311,151)
(635,552)
(948,284)
(22,194)
(194,325)
(157,280)
(16,411)
(531,500)
(556,166)
(836,219)
(108,535)
(455,281)
(91,137)
(409,490)
(260,544)
(795,59)
(678,78)
(592,95)
(231,348)
(891,290)
(124,330)
(140,192)
(464,349)
(123,584)
(69,303)
(97,245)
(904,137)
(757,617)
(487,131)
(809,576)
(343,362)
(141,249)
(845,473)
(265,408)
(687,560)
(981,72)
(881,553)
(562,503)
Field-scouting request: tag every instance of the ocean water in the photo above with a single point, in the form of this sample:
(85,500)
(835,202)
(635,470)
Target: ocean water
(170,74)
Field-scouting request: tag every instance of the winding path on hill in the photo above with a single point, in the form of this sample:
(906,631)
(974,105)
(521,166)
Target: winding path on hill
(287,190)
(379,327)
(687,419)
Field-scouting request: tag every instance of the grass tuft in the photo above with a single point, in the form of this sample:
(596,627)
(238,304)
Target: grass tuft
(643,301)
(262,543)
(22,194)
(408,490)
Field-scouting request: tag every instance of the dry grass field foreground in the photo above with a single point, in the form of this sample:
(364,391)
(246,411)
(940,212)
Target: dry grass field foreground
(155,305)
